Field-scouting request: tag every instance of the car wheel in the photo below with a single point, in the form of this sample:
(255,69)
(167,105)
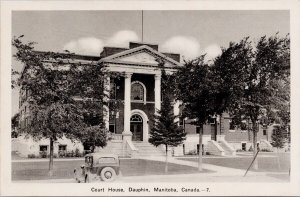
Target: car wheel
(108,174)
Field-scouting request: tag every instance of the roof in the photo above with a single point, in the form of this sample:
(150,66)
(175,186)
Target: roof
(146,48)
(108,51)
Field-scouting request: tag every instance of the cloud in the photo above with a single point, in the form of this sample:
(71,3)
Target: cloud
(85,46)
(187,47)
(94,46)
(212,51)
(122,39)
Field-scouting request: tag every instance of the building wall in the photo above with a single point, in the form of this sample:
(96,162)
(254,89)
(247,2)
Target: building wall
(27,146)
(244,135)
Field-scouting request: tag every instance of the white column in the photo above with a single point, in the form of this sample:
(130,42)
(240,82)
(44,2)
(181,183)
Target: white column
(106,99)
(157,90)
(176,110)
(127,103)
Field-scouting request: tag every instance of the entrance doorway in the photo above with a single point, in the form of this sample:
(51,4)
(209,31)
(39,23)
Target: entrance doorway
(136,127)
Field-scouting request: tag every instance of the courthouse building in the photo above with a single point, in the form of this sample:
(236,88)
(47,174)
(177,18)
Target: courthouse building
(140,91)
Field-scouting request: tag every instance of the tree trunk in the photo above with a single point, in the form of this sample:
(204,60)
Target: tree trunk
(278,161)
(255,163)
(200,151)
(51,157)
(166,166)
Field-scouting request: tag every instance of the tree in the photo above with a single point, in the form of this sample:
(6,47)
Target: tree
(278,140)
(228,82)
(166,130)
(57,89)
(194,88)
(257,70)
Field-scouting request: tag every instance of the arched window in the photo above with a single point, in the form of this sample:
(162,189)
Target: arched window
(136,118)
(138,91)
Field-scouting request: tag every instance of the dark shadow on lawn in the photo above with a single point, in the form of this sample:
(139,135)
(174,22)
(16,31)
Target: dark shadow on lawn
(140,167)
(64,169)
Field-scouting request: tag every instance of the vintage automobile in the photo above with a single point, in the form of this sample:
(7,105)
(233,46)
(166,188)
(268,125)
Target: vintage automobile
(98,165)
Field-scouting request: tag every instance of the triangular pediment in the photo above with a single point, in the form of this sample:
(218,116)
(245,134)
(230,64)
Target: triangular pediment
(141,55)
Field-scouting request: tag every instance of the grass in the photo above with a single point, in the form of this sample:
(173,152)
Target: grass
(64,169)
(265,164)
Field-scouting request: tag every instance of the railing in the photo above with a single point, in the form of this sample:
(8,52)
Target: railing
(131,150)
(214,148)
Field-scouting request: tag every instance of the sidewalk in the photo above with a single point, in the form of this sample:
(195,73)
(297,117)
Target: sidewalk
(217,170)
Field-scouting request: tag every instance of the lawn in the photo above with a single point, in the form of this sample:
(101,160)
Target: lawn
(64,169)
(266,162)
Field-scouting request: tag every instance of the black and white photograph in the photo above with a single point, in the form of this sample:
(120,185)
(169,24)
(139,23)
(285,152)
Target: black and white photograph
(148,100)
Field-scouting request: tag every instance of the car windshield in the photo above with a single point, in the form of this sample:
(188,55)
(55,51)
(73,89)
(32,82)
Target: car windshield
(89,160)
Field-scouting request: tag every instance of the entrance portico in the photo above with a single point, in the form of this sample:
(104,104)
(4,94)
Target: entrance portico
(127,133)
(140,87)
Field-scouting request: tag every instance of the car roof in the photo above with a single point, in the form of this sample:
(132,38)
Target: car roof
(98,155)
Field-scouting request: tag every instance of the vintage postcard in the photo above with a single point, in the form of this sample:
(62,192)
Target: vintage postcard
(149,98)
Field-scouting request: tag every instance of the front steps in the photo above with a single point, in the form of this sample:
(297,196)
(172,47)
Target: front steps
(228,149)
(143,149)
(265,145)
(221,148)
(147,149)
(112,147)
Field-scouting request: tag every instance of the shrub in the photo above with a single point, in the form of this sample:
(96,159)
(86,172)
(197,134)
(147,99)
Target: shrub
(192,152)
(68,154)
(77,153)
(62,153)
(31,155)
(43,154)
(265,150)
(250,149)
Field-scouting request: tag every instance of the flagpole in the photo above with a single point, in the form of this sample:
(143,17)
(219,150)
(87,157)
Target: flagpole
(142,25)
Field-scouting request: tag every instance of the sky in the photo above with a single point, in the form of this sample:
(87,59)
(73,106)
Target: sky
(190,33)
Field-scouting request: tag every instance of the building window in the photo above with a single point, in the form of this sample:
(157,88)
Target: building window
(136,118)
(198,129)
(199,149)
(26,122)
(264,132)
(43,151)
(138,91)
(244,146)
(113,92)
(43,148)
(244,126)
(62,150)
(62,147)
(231,125)
(212,121)
(181,121)
(112,128)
